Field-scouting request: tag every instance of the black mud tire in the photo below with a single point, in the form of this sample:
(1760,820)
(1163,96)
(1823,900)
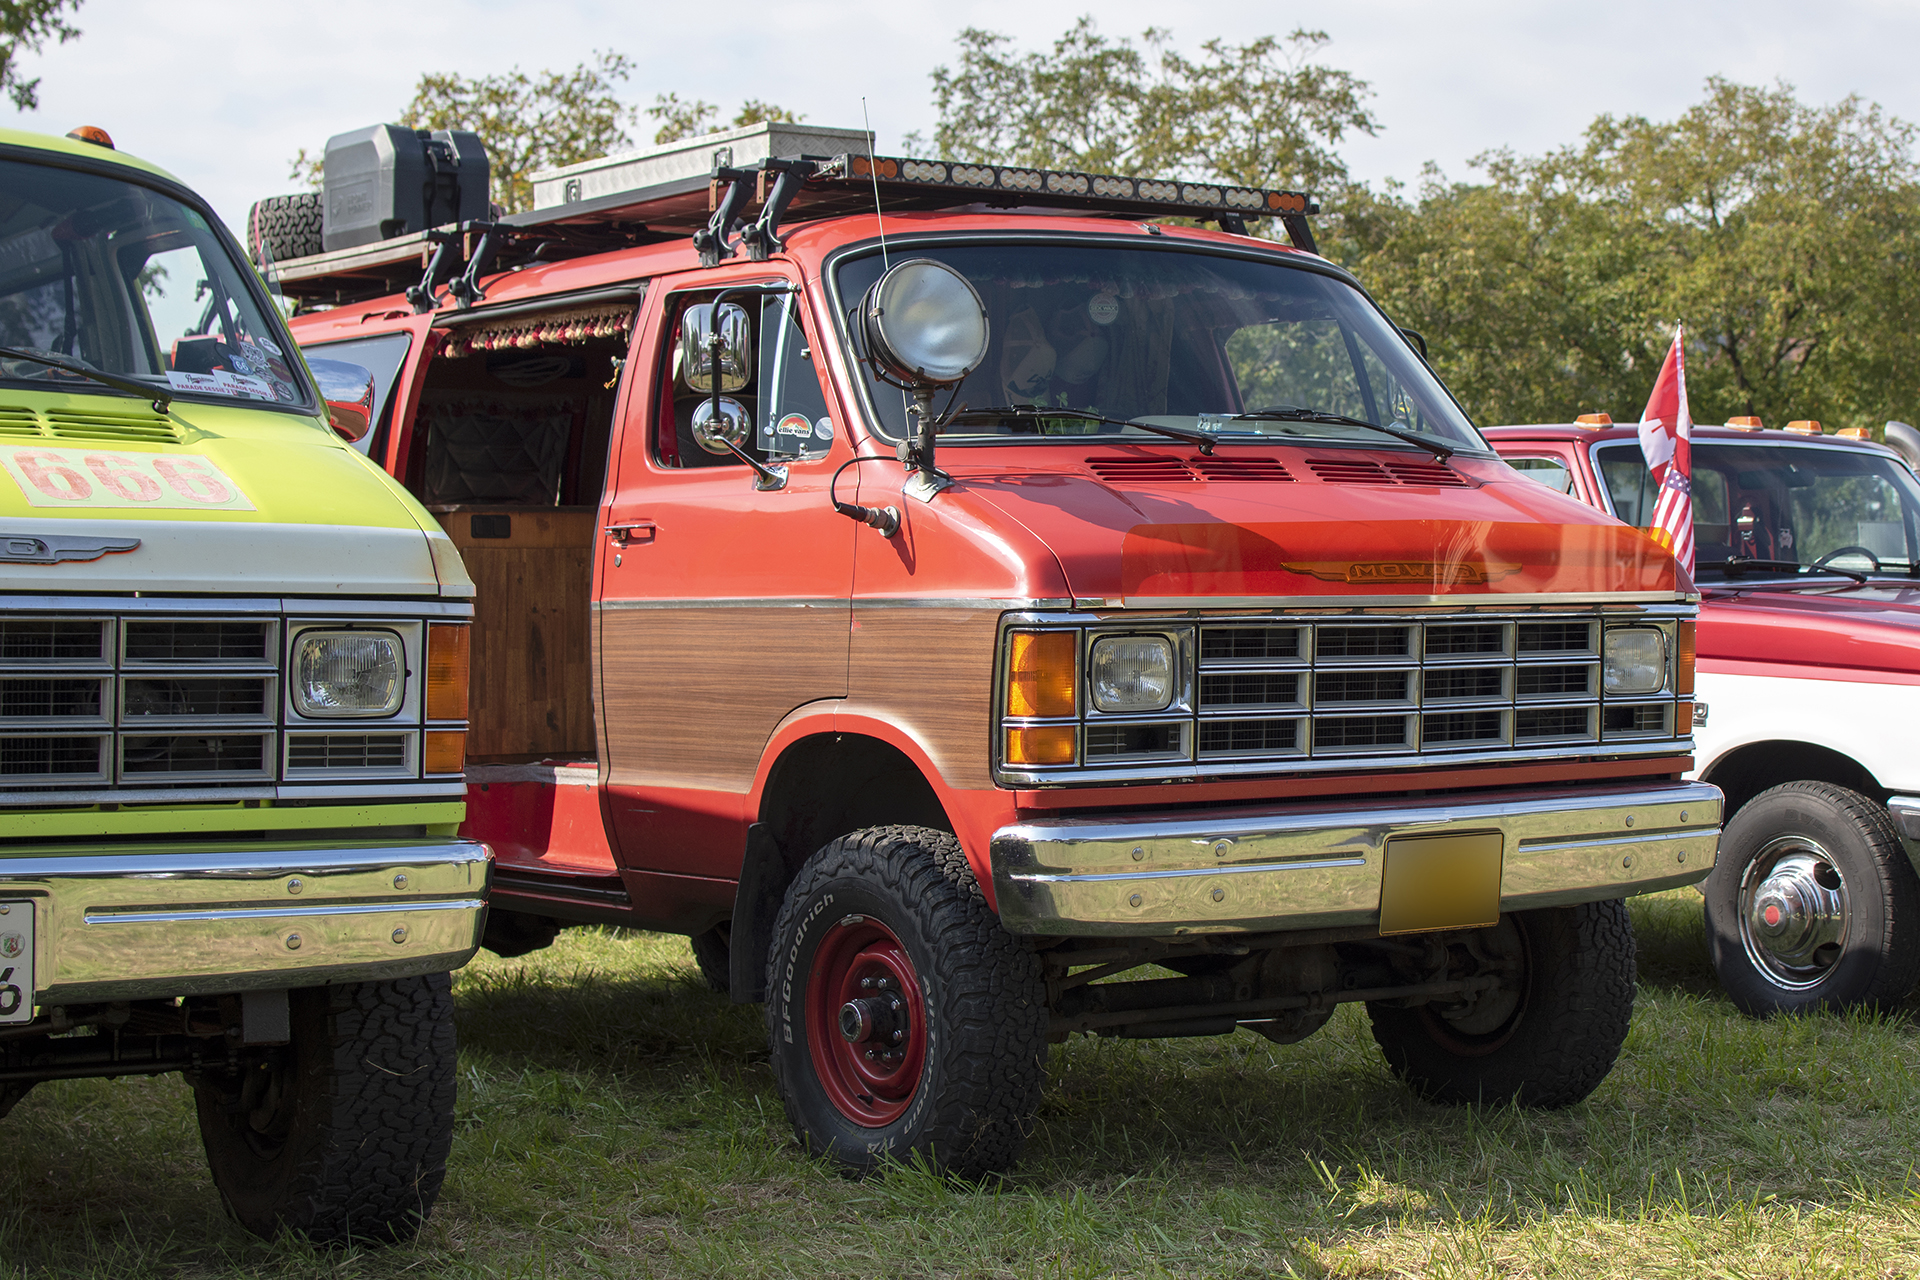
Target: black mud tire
(982,996)
(352,1144)
(1876,963)
(289,226)
(713,952)
(1575,1004)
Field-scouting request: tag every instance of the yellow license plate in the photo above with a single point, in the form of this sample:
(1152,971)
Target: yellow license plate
(1441,882)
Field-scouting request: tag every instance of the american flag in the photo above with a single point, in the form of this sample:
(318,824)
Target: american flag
(1666,438)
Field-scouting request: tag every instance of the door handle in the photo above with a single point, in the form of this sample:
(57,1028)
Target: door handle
(627,534)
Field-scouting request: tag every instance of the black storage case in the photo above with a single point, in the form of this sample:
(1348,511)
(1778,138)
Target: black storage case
(385,181)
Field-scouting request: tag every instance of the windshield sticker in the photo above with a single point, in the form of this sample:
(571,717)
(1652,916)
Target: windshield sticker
(1103,308)
(97,478)
(794,424)
(823,430)
(222,383)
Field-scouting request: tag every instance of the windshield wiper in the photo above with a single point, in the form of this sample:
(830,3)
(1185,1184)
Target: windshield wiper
(1736,566)
(1205,439)
(1293,413)
(161,399)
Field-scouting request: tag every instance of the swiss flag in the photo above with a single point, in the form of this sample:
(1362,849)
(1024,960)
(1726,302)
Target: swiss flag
(1666,438)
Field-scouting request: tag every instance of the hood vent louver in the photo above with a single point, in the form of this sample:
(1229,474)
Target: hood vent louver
(18,424)
(1363,471)
(1186,471)
(142,428)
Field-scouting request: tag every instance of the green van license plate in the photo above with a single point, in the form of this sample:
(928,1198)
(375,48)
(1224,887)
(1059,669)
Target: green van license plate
(16,962)
(1441,882)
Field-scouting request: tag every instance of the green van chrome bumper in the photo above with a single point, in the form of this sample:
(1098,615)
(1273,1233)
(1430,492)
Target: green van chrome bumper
(119,923)
(1322,865)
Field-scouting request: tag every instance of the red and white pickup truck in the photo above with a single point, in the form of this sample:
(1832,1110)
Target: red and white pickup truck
(1809,687)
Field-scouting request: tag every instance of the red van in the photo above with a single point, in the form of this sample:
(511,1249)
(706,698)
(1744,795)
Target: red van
(939,615)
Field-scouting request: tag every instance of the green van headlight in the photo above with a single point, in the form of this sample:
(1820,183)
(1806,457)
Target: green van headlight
(340,674)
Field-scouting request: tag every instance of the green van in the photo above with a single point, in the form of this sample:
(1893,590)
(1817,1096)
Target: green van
(233,704)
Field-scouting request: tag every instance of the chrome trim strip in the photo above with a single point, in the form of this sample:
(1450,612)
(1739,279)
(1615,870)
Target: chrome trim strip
(245,917)
(292,606)
(1905,812)
(770,602)
(1320,865)
(1464,602)
(552,775)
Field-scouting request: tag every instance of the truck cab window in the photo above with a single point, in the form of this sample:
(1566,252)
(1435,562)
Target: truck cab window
(782,403)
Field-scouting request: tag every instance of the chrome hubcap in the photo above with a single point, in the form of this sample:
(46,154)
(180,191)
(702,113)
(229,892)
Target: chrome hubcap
(1793,912)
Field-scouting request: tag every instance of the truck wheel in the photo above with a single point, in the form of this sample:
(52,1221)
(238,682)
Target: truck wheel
(1546,1038)
(905,1022)
(289,226)
(714,955)
(1813,903)
(342,1134)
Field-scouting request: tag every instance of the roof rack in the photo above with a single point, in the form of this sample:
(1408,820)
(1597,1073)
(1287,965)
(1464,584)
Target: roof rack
(431,266)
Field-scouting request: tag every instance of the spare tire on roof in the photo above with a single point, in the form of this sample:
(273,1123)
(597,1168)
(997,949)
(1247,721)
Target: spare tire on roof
(289,227)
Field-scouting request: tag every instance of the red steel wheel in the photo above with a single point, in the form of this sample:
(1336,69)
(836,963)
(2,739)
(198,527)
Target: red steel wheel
(866,1022)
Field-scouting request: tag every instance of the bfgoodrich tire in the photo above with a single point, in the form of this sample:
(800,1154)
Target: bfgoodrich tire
(1548,1037)
(1813,904)
(905,1022)
(343,1134)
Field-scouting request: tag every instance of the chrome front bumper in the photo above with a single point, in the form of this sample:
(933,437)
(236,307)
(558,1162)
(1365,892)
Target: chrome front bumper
(119,923)
(1314,866)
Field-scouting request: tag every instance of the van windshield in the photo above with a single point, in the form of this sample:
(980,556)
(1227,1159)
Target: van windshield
(1235,347)
(107,274)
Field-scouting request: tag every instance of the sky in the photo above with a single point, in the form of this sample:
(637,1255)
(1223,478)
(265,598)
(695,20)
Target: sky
(224,94)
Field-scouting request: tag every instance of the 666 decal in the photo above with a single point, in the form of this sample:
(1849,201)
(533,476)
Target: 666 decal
(50,477)
(16,962)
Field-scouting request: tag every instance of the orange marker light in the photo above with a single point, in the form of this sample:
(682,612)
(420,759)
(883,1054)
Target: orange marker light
(1042,744)
(1745,424)
(448,663)
(1683,662)
(1804,426)
(1040,673)
(91,133)
(444,751)
(1854,433)
(1593,420)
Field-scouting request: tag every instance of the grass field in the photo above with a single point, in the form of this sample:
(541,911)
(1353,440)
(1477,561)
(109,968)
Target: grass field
(617,1119)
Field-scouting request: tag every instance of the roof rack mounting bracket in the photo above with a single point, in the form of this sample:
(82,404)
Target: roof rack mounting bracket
(438,270)
(713,240)
(1299,234)
(466,289)
(763,237)
(1234,224)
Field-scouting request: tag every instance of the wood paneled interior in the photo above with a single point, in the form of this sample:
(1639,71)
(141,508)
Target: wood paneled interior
(929,669)
(532,653)
(693,694)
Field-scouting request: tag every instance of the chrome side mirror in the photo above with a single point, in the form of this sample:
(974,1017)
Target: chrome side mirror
(348,392)
(715,429)
(697,327)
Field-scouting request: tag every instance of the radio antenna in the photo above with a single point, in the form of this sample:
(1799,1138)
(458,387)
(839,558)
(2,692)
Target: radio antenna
(873,172)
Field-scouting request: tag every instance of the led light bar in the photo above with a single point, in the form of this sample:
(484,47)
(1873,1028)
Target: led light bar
(1104,191)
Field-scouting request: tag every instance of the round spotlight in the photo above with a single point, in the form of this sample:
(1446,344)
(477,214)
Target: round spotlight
(925,325)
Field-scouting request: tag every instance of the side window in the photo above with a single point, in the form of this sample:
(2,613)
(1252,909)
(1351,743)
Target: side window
(780,412)
(1629,486)
(1551,472)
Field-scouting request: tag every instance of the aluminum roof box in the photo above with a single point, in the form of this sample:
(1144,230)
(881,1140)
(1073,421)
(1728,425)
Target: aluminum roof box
(690,158)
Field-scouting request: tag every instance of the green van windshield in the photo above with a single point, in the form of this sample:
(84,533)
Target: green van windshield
(107,274)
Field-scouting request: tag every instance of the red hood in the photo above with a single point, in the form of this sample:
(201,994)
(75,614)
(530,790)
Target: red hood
(1874,628)
(1336,523)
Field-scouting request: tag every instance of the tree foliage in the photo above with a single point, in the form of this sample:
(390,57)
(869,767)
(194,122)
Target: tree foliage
(530,122)
(26,25)
(1263,113)
(1783,236)
(680,120)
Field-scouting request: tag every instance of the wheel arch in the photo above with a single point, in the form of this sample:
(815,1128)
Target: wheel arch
(1754,767)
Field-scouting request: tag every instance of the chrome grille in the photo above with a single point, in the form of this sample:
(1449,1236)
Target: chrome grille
(177,699)
(1354,690)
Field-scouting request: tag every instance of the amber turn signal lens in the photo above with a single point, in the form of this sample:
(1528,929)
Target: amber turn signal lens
(1040,673)
(444,751)
(1683,662)
(448,662)
(1043,744)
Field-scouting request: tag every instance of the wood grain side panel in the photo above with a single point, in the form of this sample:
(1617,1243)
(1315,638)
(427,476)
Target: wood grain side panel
(930,670)
(691,695)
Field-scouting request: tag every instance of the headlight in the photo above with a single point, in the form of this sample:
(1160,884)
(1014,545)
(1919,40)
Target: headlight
(1635,660)
(348,673)
(1131,673)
